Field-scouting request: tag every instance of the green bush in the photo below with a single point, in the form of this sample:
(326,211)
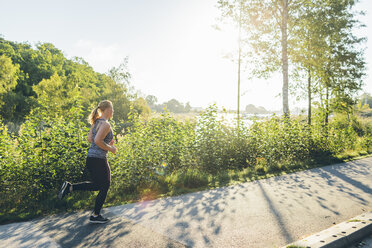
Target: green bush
(146,146)
(8,169)
(220,146)
(49,149)
(281,140)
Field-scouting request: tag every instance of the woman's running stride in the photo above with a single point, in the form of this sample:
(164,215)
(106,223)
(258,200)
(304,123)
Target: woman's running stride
(101,139)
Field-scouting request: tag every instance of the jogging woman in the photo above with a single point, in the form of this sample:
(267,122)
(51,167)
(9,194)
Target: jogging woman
(101,139)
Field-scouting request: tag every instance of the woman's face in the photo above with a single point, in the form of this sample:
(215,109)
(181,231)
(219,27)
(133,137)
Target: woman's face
(111,111)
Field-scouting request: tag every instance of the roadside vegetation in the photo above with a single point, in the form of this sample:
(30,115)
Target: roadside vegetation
(164,156)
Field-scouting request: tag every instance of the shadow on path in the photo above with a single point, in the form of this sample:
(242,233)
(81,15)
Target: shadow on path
(74,230)
(278,217)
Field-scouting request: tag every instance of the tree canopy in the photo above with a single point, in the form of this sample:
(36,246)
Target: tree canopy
(312,40)
(31,77)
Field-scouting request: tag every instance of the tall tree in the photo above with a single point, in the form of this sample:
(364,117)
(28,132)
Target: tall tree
(317,35)
(284,42)
(266,24)
(308,48)
(343,63)
(151,100)
(121,75)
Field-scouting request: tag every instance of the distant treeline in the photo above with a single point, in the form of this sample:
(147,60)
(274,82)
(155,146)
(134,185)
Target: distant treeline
(172,105)
(252,109)
(40,76)
(31,78)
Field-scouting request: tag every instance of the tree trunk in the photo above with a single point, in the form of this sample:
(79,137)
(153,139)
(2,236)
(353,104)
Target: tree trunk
(239,61)
(309,95)
(327,105)
(285,57)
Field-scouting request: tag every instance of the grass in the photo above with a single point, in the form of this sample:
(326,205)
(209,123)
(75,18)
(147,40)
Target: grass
(354,220)
(174,184)
(347,156)
(194,181)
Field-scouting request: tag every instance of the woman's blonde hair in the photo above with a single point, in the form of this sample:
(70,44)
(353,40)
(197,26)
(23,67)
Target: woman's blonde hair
(95,114)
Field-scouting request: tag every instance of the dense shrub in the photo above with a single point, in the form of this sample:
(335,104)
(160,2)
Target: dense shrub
(281,141)
(146,146)
(49,149)
(8,169)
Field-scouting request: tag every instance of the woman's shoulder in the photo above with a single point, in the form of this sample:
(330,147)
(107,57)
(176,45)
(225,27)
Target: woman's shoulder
(105,123)
(102,123)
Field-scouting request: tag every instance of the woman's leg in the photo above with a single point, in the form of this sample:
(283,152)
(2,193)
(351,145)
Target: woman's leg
(84,186)
(101,178)
(93,165)
(104,183)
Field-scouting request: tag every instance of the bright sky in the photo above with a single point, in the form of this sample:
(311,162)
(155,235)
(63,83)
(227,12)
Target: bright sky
(173,49)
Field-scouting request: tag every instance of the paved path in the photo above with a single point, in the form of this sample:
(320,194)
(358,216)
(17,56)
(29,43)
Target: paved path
(266,213)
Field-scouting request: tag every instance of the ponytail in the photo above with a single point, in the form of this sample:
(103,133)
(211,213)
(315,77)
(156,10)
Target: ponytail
(101,106)
(93,116)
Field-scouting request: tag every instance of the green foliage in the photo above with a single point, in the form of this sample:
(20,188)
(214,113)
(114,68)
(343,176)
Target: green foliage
(365,101)
(47,150)
(264,144)
(57,94)
(145,145)
(191,178)
(205,153)
(8,74)
(140,106)
(325,56)
(43,76)
(8,167)
(211,140)
(281,141)
(220,146)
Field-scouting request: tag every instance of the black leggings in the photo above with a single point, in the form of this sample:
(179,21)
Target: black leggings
(99,170)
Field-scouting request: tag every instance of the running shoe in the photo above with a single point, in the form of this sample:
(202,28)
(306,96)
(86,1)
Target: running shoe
(65,189)
(98,219)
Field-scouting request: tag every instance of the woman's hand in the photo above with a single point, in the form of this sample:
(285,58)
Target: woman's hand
(113,149)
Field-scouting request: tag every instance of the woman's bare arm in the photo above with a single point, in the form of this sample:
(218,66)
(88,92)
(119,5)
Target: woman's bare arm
(101,134)
(90,135)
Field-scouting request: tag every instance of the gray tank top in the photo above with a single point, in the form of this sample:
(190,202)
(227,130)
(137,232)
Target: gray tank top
(94,150)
